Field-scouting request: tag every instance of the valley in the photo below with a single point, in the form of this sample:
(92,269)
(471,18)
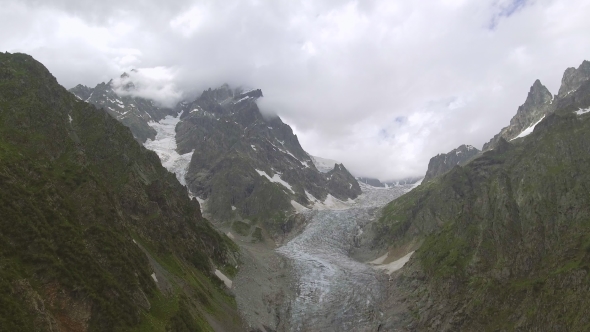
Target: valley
(210,216)
(307,281)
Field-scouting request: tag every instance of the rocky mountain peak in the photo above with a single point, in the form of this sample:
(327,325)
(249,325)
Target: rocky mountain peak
(538,103)
(444,162)
(573,78)
(133,112)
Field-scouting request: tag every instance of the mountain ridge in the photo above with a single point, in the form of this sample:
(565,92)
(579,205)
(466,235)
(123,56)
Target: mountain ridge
(97,235)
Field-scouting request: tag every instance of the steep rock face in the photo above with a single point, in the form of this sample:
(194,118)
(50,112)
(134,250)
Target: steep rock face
(573,78)
(133,112)
(506,238)
(444,162)
(89,216)
(539,103)
(250,162)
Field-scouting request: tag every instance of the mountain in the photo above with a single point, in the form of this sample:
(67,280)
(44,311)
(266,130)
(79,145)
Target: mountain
(96,234)
(444,162)
(323,165)
(503,242)
(242,163)
(538,104)
(117,100)
(250,165)
(574,78)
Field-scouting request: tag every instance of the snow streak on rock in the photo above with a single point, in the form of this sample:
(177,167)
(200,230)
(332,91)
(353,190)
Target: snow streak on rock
(165,146)
(335,292)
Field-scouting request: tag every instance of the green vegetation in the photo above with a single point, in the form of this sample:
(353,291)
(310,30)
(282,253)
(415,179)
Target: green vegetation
(76,192)
(241,227)
(506,237)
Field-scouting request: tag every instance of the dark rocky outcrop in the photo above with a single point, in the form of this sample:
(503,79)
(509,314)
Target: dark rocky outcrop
(444,162)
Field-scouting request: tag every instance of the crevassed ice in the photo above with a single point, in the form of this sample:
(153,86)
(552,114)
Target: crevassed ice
(164,145)
(335,292)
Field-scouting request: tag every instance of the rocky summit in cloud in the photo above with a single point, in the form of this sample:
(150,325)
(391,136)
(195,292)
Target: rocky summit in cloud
(381,86)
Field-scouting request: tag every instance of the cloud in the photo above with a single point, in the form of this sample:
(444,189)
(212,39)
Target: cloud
(379,85)
(155,83)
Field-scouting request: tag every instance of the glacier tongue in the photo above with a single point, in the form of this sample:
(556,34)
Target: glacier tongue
(335,292)
(164,145)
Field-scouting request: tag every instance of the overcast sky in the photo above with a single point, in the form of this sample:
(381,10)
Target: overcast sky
(379,85)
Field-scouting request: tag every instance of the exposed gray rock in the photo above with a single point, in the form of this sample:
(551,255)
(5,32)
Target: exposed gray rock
(444,162)
(539,103)
(133,112)
(248,164)
(573,78)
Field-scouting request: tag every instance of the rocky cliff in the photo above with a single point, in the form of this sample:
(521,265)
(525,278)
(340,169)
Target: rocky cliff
(96,234)
(243,164)
(505,239)
(539,103)
(117,99)
(248,164)
(444,162)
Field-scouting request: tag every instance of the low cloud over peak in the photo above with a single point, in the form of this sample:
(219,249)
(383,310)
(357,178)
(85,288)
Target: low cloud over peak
(380,85)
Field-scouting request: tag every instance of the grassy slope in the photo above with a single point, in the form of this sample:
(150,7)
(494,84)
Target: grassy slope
(506,238)
(72,194)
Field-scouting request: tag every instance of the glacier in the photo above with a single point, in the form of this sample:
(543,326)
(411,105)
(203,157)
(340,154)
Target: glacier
(164,145)
(334,291)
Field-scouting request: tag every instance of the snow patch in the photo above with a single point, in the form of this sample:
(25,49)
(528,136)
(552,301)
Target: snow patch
(226,280)
(230,235)
(233,208)
(379,260)
(275,178)
(245,98)
(70,118)
(154,277)
(253,147)
(298,207)
(579,112)
(395,265)
(529,130)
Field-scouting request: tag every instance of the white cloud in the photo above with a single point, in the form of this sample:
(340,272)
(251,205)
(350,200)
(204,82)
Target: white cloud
(341,73)
(155,83)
